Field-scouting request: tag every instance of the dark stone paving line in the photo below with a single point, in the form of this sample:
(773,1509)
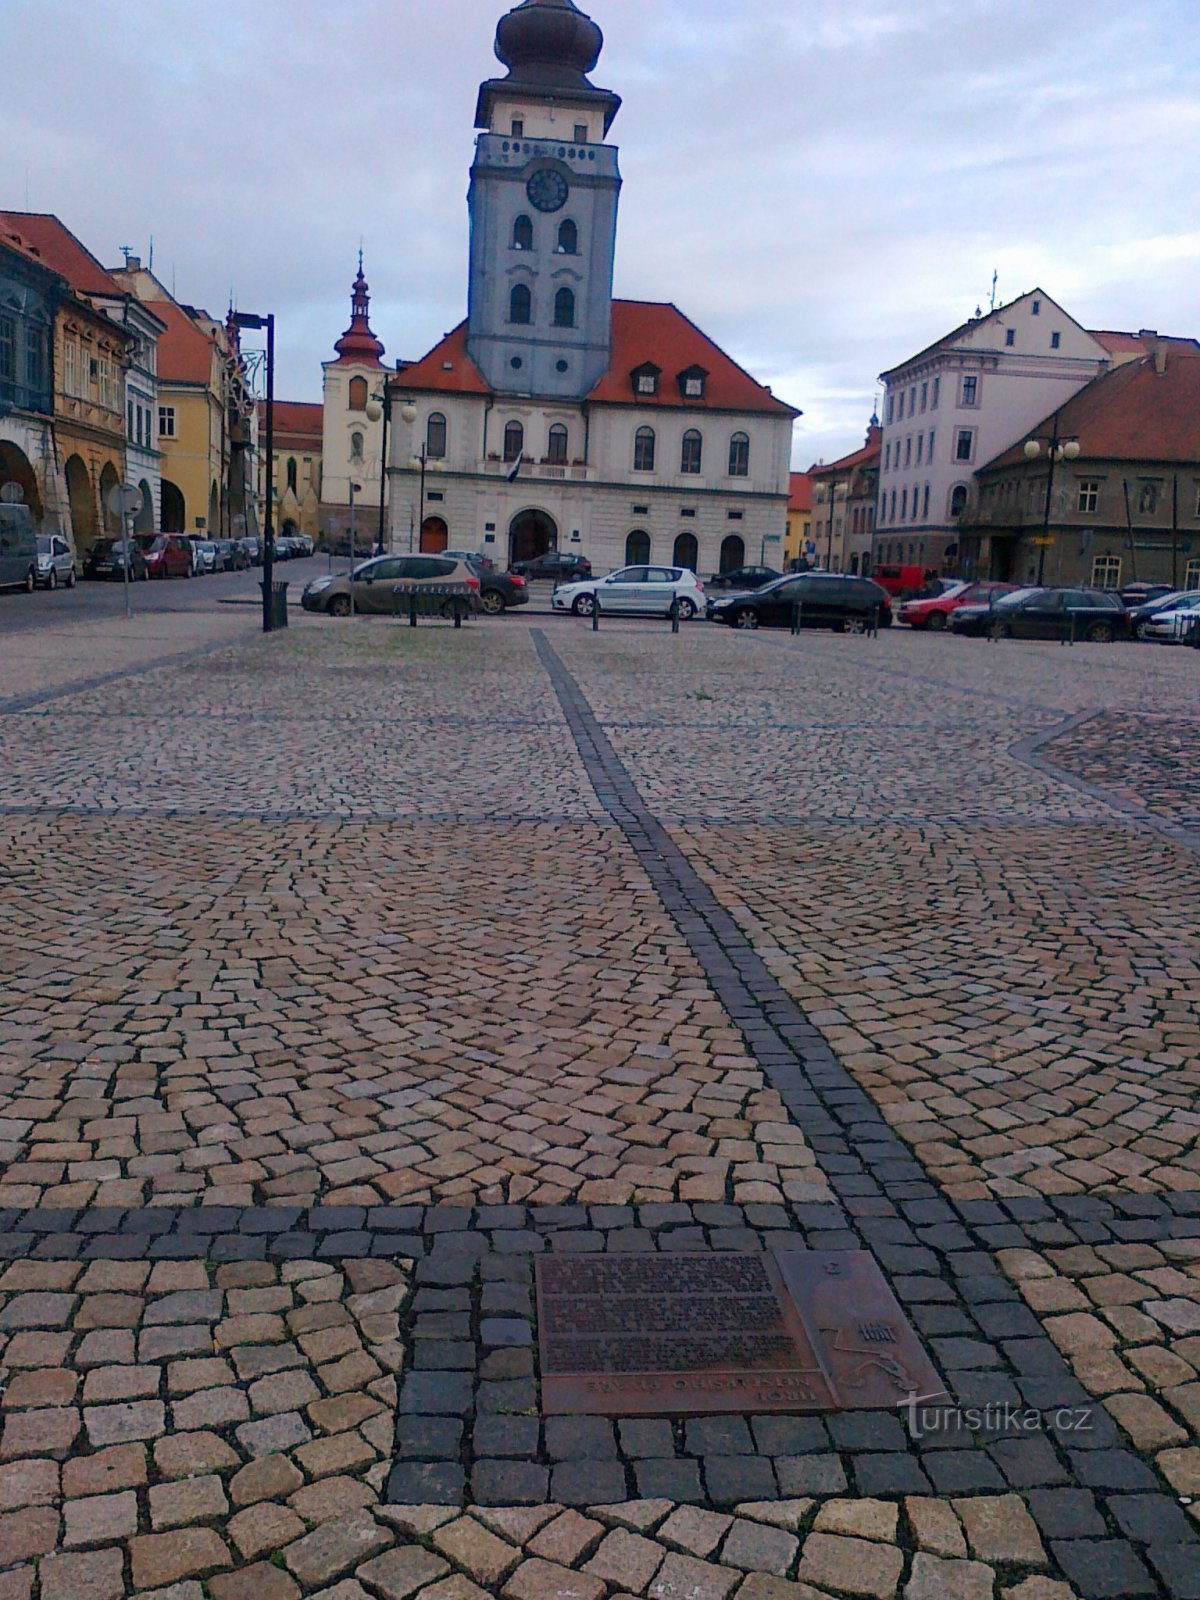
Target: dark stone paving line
(938,1255)
(363,819)
(1032,750)
(44,697)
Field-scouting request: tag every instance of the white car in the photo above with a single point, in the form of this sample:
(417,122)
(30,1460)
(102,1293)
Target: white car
(634,590)
(1175,625)
(55,563)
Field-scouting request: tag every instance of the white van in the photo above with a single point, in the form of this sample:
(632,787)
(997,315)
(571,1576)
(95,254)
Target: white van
(18,549)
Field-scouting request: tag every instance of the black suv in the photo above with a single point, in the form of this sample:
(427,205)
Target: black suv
(848,605)
(497,590)
(744,578)
(556,564)
(1093,614)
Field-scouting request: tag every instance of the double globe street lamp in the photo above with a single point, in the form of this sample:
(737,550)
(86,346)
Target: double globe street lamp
(1056,450)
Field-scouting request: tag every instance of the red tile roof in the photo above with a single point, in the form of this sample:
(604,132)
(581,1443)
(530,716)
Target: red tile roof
(800,495)
(1137,344)
(1131,413)
(298,420)
(867,456)
(651,331)
(642,332)
(58,247)
(185,352)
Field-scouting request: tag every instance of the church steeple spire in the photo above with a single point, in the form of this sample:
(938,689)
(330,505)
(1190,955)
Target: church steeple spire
(358,346)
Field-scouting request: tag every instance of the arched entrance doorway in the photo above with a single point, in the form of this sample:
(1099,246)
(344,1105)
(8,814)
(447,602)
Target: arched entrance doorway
(290,528)
(637,548)
(687,552)
(435,536)
(82,500)
(173,513)
(530,535)
(733,553)
(144,521)
(108,482)
(15,468)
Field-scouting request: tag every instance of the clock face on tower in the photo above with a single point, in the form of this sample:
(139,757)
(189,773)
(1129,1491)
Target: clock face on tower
(548,190)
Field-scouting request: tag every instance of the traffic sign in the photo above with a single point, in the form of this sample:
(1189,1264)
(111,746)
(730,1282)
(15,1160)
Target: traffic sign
(124,500)
(12,494)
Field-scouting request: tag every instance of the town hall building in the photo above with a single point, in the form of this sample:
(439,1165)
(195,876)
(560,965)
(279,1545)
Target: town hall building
(555,417)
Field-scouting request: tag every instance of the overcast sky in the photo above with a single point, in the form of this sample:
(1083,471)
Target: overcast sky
(824,185)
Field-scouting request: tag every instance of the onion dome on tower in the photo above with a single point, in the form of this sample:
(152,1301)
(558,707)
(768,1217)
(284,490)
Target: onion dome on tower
(549,47)
(358,346)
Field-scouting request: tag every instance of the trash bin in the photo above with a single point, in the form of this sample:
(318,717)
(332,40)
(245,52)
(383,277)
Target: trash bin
(279,605)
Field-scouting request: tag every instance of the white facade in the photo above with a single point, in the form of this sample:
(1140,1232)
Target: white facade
(958,404)
(596,500)
(351,444)
(143,459)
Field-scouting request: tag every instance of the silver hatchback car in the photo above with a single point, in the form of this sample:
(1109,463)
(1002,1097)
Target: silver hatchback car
(55,563)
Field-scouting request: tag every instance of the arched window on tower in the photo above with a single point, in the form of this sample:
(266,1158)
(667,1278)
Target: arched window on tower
(564,308)
(291,474)
(520,305)
(522,234)
(568,238)
(643,450)
(558,444)
(358,394)
(514,441)
(435,436)
(739,456)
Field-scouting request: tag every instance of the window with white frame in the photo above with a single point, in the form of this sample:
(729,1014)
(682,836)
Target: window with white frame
(1191,577)
(964,444)
(970,390)
(1089,495)
(924,395)
(166,422)
(891,408)
(1106,572)
(908,451)
(920,448)
(932,434)
(936,394)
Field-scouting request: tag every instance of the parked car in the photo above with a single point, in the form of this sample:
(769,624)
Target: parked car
(827,600)
(232,555)
(634,591)
(375,584)
(744,579)
(306,545)
(498,590)
(55,563)
(1096,615)
(1141,614)
(557,564)
(284,547)
(904,582)
(18,548)
(106,561)
(170,555)
(484,563)
(934,612)
(1174,624)
(253,548)
(208,556)
(1140,594)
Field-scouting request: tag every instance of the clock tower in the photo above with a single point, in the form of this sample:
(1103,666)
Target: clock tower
(543,204)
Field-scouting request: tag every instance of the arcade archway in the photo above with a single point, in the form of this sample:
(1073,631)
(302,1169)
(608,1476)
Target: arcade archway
(82,498)
(15,467)
(435,536)
(530,535)
(173,512)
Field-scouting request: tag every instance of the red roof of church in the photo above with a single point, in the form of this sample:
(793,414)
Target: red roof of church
(643,333)
(295,420)
(54,244)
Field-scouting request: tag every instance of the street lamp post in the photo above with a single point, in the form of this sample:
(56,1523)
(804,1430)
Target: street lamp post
(381,406)
(1056,450)
(420,463)
(355,488)
(244,320)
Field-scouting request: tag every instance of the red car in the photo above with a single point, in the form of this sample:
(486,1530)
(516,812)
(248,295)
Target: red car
(169,556)
(934,613)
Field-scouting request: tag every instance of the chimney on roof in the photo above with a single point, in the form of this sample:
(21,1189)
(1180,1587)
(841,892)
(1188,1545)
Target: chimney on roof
(1160,358)
(133,263)
(1147,333)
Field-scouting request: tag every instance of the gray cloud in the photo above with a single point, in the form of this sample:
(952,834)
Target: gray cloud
(824,188)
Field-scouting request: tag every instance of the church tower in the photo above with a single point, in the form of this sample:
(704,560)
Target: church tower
(543,204)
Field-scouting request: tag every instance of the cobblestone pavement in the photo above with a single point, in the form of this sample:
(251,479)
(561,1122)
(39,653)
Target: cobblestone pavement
(348,971)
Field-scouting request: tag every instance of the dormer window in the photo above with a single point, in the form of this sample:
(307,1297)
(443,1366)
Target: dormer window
(645,379)
(693,382)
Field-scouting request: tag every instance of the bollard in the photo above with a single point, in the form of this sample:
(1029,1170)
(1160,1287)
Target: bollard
(412,609)
(797,609)
(875,624)
(596,613)
(458,614)
(675,615)
(1071,640)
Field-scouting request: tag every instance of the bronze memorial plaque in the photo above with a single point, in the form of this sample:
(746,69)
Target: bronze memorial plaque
(689,1335)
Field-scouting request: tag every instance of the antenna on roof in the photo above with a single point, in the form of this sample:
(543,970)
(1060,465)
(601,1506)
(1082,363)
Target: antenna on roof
(995,281)
(126,250)
(150,266)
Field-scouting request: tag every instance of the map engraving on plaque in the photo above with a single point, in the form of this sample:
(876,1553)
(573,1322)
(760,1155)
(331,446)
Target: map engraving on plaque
(685,1335)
